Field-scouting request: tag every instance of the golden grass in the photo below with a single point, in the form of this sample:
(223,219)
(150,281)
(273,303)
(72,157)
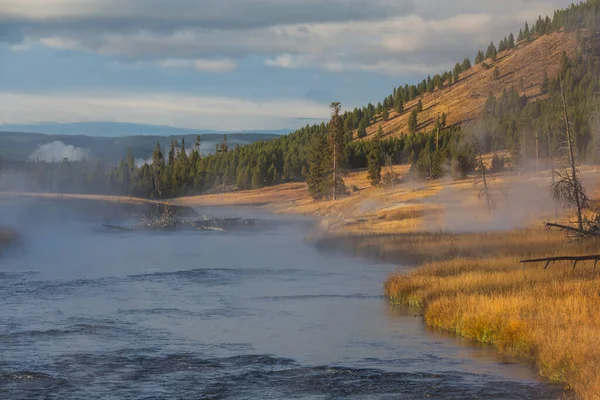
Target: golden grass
(473,285)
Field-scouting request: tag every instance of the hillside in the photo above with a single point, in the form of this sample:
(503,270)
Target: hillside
(522,68)
(18,146)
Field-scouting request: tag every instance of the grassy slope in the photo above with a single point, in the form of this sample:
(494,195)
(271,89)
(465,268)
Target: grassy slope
(463,101)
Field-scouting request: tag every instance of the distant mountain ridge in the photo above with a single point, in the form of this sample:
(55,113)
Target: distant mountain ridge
(19,146)
(114,129)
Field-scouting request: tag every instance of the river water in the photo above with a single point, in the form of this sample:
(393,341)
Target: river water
(254,314)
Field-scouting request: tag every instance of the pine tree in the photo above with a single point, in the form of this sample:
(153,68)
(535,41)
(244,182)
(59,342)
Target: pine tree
(456,72)
(374,159)
(501,46)
(466,64)
(158,167)
(545,83)
(413,121)
(511,41)
(318,177)
(130,161)
(496,74)
(419,107)
(491,51)
(362,129)
(399,106)
(480,57)
(526,33)
(336,142)
(385,114)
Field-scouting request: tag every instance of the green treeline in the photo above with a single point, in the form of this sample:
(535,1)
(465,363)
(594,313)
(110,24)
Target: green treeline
(509,122)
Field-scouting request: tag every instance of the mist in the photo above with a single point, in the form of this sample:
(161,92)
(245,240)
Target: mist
(57,151)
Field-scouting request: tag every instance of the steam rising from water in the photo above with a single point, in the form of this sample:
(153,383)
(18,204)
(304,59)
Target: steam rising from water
(57,151)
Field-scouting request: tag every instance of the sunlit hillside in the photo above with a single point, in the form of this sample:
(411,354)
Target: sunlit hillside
(521,68)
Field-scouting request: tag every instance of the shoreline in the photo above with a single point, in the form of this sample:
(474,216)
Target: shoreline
(466,277)
(470,270)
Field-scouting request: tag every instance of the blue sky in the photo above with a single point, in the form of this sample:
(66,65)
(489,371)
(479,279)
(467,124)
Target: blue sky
(231,64)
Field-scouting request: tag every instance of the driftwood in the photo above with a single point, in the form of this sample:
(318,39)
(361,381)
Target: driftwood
(170,221)
(573,259)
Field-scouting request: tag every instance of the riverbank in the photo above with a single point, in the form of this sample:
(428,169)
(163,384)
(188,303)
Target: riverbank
(550,318)
(468,279)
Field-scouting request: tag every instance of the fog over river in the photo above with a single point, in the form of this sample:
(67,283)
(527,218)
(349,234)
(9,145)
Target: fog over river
(252,314)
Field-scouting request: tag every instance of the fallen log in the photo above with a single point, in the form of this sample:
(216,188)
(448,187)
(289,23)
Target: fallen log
(576,232)
(573,259)
(116,227)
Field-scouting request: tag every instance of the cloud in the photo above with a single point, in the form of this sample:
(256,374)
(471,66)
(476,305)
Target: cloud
(202,65)
(186,111)
(57,151)
(391,37)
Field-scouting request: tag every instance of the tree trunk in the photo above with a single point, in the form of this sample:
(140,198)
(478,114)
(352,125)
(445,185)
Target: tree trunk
(571,158)
(334,170)
(485,185)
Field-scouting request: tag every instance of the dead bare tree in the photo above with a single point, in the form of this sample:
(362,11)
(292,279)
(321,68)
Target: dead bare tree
(388,176)
(567,188)
(485,192)
(336,133)
(550,150)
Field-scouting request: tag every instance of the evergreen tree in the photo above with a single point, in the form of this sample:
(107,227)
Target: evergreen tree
(319,168)
(526,33)
(491,51)
(511,41)
(375,159)
(466,64)
(480,57)
(399,106)
(545,83)
(502,46)
(362,129)
(158,167)
(419,106)
(413,121)
(496,74)
(456,72)
(336,142)
(130,161)
(385,114)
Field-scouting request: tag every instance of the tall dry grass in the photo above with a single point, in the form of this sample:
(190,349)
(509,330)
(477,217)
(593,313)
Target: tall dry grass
(473,285)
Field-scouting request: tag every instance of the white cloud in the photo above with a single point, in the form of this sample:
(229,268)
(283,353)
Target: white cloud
(223,65)
(57,151)
(185,111)
(281,61)
(384,36)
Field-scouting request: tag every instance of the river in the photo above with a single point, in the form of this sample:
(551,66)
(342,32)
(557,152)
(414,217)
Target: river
(254,314)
